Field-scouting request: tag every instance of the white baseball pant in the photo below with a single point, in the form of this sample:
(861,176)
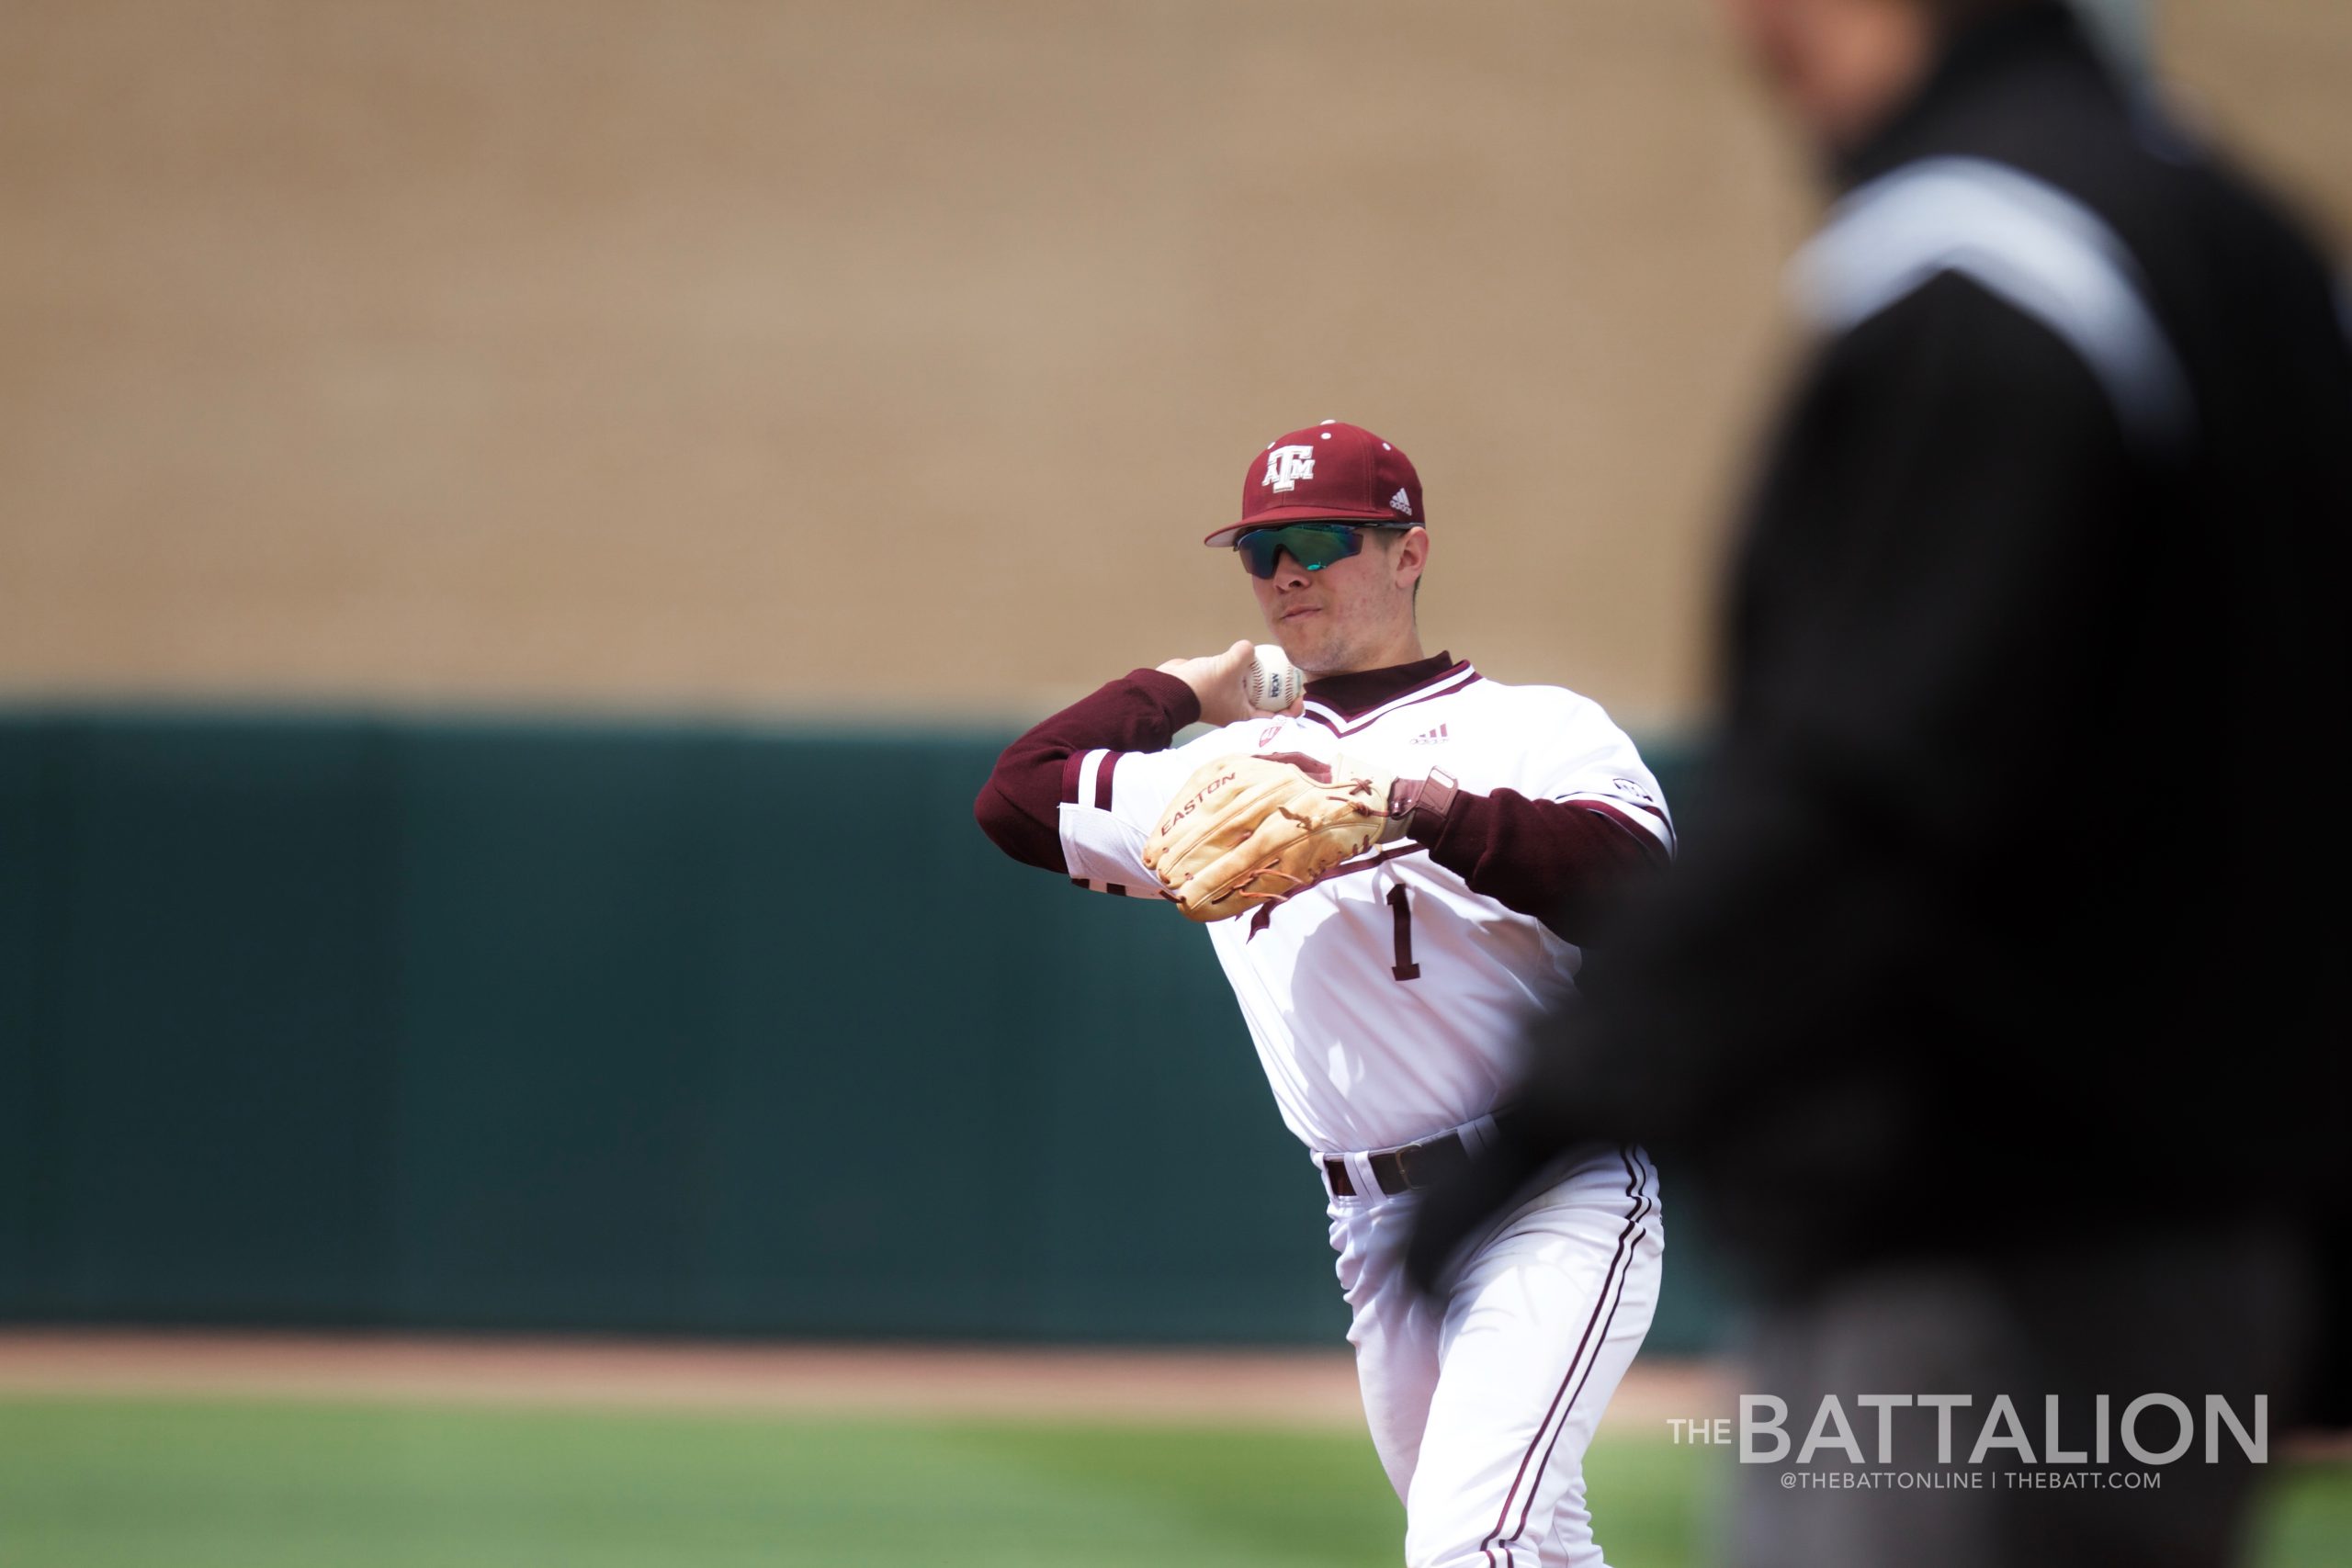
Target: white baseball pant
(1483,1400)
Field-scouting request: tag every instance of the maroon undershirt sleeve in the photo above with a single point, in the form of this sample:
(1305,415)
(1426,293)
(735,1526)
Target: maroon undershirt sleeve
(1020,807)
(1562,862)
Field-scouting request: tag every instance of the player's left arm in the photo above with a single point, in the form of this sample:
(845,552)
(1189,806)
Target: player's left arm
(1567,852)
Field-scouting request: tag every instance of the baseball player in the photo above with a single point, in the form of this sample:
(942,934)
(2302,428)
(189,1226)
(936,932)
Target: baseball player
(1397,872)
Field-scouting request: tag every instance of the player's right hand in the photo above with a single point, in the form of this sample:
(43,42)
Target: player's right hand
(1217,679)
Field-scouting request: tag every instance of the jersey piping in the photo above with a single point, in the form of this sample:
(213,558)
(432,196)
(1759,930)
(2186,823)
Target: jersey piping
(1450,682)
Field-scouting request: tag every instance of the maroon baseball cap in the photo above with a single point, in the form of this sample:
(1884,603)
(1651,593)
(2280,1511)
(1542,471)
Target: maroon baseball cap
(1326,473)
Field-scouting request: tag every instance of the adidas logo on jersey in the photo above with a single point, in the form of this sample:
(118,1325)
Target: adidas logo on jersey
(1428,737)
(1402,501)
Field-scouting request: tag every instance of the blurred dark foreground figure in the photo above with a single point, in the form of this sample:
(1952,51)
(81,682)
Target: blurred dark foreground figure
(1991,1006)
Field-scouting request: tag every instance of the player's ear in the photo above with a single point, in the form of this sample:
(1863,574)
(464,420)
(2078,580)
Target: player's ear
(1412,555)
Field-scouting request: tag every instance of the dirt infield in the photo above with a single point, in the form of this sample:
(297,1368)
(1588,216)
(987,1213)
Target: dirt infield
(1314,1389)
(1297,1389)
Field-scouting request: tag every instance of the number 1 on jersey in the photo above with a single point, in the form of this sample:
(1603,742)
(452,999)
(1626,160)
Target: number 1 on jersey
(1402,904)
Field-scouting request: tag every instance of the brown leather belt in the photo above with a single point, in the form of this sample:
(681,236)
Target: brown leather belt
(1409,1169)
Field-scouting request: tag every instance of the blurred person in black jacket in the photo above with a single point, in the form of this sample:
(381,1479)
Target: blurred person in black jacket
(1988,1005)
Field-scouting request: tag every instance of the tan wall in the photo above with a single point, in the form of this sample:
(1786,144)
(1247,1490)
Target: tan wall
(894,356)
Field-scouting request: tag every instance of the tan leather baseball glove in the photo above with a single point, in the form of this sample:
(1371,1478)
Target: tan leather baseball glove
(1245,831)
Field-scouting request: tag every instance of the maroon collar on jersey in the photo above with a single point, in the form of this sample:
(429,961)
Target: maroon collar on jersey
(1345,698)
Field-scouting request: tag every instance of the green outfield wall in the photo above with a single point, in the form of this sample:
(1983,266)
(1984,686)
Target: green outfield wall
(663,1027)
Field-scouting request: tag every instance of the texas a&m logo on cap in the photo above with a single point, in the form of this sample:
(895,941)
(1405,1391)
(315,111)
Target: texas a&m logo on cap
(1331,472)
(1285,465)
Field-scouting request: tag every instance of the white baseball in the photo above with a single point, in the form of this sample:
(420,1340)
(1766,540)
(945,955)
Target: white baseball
(1273,681)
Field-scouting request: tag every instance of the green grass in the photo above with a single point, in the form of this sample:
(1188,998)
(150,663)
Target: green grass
(121,1483)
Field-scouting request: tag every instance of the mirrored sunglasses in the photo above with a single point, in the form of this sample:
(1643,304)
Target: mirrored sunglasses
(1312,545)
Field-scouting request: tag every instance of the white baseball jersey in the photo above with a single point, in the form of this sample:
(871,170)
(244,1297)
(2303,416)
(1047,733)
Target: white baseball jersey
(1387,1000)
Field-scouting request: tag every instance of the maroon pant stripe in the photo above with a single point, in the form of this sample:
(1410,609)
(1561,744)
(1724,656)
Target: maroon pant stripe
(1502,1520)
(1529,1507)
